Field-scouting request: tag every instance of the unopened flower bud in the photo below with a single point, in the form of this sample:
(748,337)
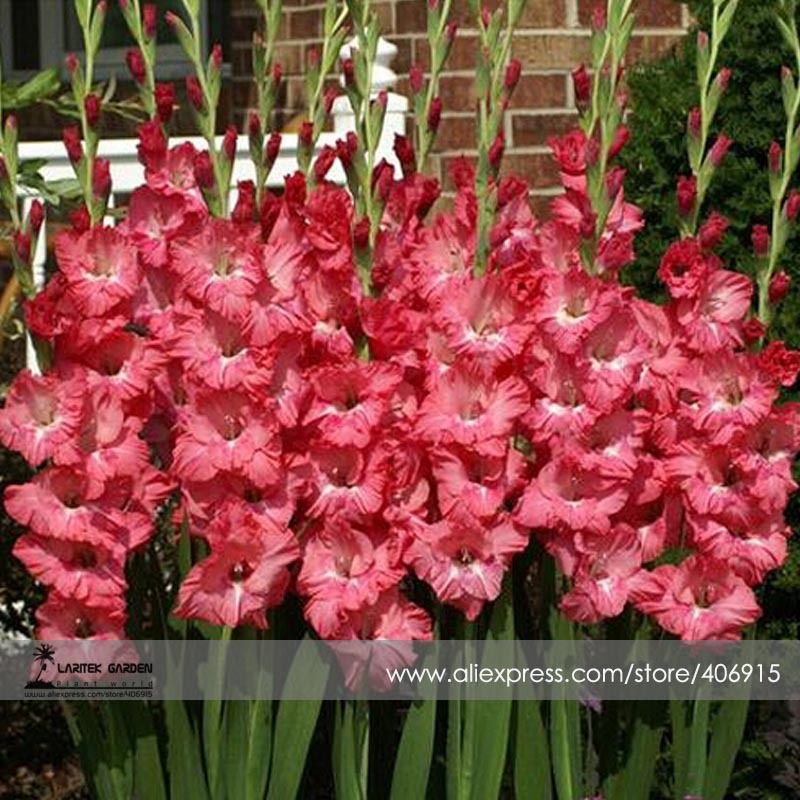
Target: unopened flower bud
(599,18)
(245,207)
(79,219)
(72,63)
(22,246)
(36,216)
(72,143)
(253,125)
(513,72)
(450,31)
(216,56)
(313,58)
(760,239)
(486,17)
(150,20)
(349,72)
(194,92)
(272,149)
(694,123)
(582,84)
(165,101)
(101,178)
(277,75)
(306,134)
(229,142)
(702,40)
(92,107)
(496,151)
(203,170)
(404,150)
(720,149)
(361,234)
(778,288)
(331,93)
(775,158)
(323,163)
(620,140)
(435,114)
(136,65)
(416,78)
(793,205)
(687,195)
(723,79)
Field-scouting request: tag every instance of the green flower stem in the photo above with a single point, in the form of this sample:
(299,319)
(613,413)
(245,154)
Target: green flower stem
(787,22)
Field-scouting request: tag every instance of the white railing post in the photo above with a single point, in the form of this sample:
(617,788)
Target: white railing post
(383,78)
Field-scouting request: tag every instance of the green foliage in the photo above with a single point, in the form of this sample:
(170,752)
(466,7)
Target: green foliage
(751,113)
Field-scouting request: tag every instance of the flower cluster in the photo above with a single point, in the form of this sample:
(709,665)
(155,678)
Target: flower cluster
(332,443)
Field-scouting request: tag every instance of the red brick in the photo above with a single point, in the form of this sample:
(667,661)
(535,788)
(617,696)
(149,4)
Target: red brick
(540,91)
(649,13)
(543,14)
(550,52)
(540,204)
(305,24)
(457,134)
(411,16)
(538,169)
(530,130)
(462,54)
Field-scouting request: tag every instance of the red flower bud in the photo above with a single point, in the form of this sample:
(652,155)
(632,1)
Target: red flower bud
(361,234)
(694,124)
(416,78)
(136,66)
(165,101)
(253,125)
(36,216)
(150,19)
(270,210)
(404,150)
(754,330)
(486,17)
(72,143)
(152,146)
(720,149)
(306,134)
(330,97)
(80,219)
(723,79)
(599,18)
(101,178)
(203,170)
(277,75)
(92,107)
(687,195)
(496,151)
(513,72)
(245,203)
(620,139)
(614,180)
(793,205)
(435,114)
(294,191)
(22,246)
(323,163)
(11,124)
(216,56)
(582,84)
(775,158)
(712,231)
(344,153)
(383,179)
(349,71)
(702,40)
(450,31)
(229,142)
(313,58)
(272,149)
(194,92)
(72,63)
(760,238)
(778,288)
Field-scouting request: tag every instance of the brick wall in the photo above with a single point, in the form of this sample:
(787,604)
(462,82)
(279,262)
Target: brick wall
(553,37)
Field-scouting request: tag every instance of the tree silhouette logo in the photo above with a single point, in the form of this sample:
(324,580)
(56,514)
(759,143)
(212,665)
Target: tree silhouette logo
(43,655)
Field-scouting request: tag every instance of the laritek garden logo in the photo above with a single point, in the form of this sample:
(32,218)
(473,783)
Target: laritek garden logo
(83,672)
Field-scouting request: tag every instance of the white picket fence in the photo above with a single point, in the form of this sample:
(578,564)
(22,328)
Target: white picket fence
(127,173)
